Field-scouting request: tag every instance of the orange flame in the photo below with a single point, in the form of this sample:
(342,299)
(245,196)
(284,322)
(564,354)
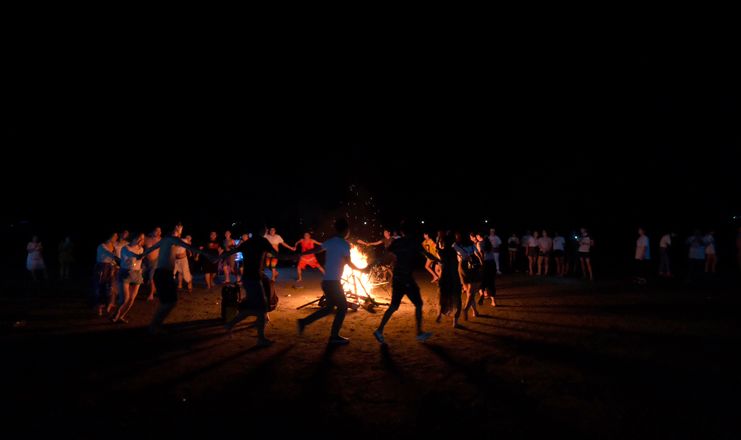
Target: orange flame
(354,281)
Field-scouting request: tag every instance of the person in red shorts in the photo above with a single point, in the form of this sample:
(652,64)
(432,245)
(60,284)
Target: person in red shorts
(307,244)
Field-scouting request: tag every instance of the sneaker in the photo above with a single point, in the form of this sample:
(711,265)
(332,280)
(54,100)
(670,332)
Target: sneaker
(422,337)
(338,340)
(379,337)
(300,326)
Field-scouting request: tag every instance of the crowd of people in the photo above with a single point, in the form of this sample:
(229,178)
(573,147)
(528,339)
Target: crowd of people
(464,267)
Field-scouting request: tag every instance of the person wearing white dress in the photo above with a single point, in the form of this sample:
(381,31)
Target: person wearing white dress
(35,260)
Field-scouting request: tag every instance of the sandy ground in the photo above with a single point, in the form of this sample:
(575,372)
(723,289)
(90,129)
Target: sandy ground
(556,356)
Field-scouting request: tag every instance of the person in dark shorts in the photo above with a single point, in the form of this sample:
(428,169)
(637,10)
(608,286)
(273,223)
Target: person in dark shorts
(404,251)
(338,255)
(164,275)
(256,302)
(585,250)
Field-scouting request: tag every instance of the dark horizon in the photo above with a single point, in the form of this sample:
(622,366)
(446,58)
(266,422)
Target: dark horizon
(561,140)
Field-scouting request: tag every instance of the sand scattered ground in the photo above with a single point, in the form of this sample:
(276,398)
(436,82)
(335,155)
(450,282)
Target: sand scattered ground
(557,356)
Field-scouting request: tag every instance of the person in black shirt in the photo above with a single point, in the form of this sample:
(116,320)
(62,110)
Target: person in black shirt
(253,264)
(404,251)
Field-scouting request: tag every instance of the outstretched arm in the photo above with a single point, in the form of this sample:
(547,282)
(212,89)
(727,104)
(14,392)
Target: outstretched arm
(282,243)
(374,243)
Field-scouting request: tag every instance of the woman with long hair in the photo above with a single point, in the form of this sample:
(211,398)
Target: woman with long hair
(449,283)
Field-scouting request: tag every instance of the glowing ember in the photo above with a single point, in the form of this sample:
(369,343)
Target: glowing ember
(355,282)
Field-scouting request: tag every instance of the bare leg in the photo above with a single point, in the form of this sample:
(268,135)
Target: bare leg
(298,272)
(428,267)
(125,304)
(132,299)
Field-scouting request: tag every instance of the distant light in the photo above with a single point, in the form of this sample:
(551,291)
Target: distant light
(423,222)
(234,224)
(365,223)
(486,221)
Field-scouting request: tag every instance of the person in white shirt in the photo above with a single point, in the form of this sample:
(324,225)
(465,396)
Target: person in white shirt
(664,258)
(532,253)
(585,250)
(711,258)
(496,243)
(34,258)
(524,245)
(738,247)
(338,255)
(642,256)
(545,247)
(513,244)
(271,260)
(130,276)
(559,250)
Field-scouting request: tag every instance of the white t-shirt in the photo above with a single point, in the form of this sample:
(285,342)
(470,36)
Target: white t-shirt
(337,249)
(496,242)
(641,243)
(532,242)
(665,241)
(559,244)
(585,244)
(275,240)
(697,248)
(545,244)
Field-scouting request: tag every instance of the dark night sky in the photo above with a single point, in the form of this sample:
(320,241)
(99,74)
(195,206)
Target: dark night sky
(545,137)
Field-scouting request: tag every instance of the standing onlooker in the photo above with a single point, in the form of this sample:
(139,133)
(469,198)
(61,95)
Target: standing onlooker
(711,259)
(496,243)
(559,250)
(642,256)
(34,259)
(66,258)
(532,253)
(738,247)
(585,250)
(545,247)
(513,243)
(524,245)
(665,269)
(696,255)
